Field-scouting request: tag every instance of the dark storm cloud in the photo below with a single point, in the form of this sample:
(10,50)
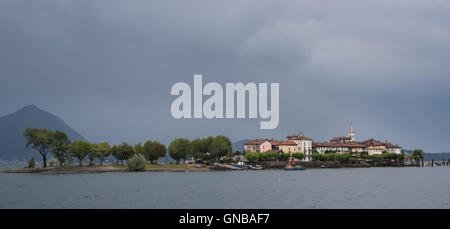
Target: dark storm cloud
(106,67)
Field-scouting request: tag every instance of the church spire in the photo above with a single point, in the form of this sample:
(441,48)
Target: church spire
(351,134)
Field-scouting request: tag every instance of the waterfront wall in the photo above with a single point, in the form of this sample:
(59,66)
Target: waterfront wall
(330,164)
(306,164)
(319,164)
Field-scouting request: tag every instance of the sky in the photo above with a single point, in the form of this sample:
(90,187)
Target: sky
(106,67)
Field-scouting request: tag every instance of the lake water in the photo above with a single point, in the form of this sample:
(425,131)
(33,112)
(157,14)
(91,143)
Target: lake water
(427,187)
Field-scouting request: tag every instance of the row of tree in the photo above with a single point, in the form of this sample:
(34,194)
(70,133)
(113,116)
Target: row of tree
(334,156)
(58,144)
(272,156)
(331,157)
(210,148)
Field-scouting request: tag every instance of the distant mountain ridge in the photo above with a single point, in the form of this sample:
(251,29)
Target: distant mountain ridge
(12,127)
(239,145)
(431,156)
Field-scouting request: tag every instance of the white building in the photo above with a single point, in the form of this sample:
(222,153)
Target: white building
(304,144)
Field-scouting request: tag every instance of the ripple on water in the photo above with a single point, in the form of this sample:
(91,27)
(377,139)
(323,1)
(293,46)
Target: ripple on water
(324,188)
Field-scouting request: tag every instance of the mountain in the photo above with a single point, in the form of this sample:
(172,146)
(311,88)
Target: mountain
(431,156)
(12,127)
(436,156)
(239,145)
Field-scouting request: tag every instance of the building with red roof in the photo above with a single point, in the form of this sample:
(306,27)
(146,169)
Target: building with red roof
(348,144)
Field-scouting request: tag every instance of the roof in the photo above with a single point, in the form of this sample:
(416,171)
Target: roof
(255,142)
(370,143)
(336,139)
(336,144)
(299,137)
(261,141)
(274,142)
(287,143)
(389,145)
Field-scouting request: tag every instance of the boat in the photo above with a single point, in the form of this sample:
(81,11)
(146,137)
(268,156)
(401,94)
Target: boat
(290,167)
(239,164)
(256,167)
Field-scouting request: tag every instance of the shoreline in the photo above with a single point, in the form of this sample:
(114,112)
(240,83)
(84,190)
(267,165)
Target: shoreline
(152,168)
(97,169)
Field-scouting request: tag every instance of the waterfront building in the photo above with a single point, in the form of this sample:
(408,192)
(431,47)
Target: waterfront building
(348,144)
(304,144)
(261,145)
(288,147)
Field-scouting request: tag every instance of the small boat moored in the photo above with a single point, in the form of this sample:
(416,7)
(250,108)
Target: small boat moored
(239,164)
(290,167)
(256,167)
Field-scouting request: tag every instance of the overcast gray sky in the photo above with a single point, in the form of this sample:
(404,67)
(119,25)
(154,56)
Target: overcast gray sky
(106,67)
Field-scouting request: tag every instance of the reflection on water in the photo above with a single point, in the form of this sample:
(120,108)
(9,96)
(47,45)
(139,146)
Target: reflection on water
(314,188)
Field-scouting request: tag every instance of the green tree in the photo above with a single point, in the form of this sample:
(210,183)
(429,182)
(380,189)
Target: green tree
(283,157)
(331,157)
(80,149)
(40,140)
(179,149)
(200,148)
(417,156)
(298,156)
(136,163)
(268,156)
(69,159)
(91,154)
(220,146)
(418,153)
(102,150)
(122,152)
(342,157)
(59,144)
(31,163)
(139,149)
(315,156)
(197,149)
(154,150)
(115,153)
(252,156)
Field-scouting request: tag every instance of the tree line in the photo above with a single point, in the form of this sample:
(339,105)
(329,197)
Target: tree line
(272,156)
(343,157)
(56,143)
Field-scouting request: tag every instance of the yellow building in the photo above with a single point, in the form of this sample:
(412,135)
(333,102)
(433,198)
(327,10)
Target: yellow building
(288,147)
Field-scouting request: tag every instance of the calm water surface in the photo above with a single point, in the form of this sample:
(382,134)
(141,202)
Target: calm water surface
(314,188)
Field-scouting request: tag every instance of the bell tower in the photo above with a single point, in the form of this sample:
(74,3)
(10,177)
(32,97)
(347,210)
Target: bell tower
(351,134)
